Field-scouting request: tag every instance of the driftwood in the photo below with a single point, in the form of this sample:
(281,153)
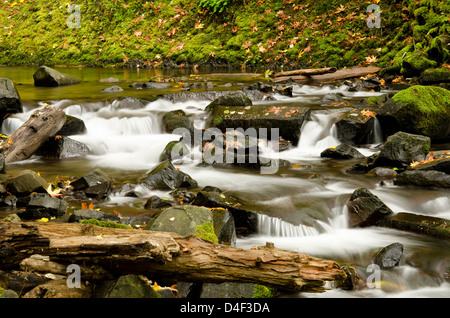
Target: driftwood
(307,72)
(186,258)
(337,75)
(41,125)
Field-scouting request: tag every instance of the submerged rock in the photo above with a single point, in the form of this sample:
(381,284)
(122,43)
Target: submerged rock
(164,176)
(112,89)
(366,209)
(343,151)
(422,110)
(423,178)
(176,119)
(389,256)
(48,77)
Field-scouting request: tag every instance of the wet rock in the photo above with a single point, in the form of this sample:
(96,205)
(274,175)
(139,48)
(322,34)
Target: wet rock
(95,184)
(112,89)
(127,286)
(382,172)
(10,102)
(228,290)
(174,150)
(414,63)
(109,80)
(181,219)
(401,149)
(224,226)
(128,102)
(245,219)
(260,86)
(366,209)
(87,214)
(11,218)
(151,85)
(423,178)
(2,163)
(48,77)
(343,151)
(164,176)
(352,281)
(331,98)
(253,95)
(284,90)
(442,165)
(62,148)
(41,205)
(389,256)
(176,119)
(72,126)
(59,289)
(420,224)
(435,76)
(421,110)
(355,128)
(21,281)
(25,183)
(155,202)
(8,293)
(233,99)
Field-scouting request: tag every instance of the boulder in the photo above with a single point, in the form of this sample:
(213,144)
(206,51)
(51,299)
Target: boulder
(59,289)
(151,85)
(435,76)
(389,256)
(366,209)
(442,165)
(229,290)
(109,80)
(72,126)
(181,219)
(95,184)
(422,110)
(174,150)
(155,202)
(2,163)
(355,128)
(62,148)
(25,183)
(164,176)
(42,205)
(401,149)
(224,226)
(128,286)
(343,151)
(414,63)
(420,224)
(10,102)
(87,214)
(128,102)
(423,178)
(49,77)
(176,119)
(253,95)
(112,89)
(233,99)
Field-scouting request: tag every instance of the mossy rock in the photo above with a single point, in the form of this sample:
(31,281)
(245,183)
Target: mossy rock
(435,76)
(176,119)
(421,110)
(415,63)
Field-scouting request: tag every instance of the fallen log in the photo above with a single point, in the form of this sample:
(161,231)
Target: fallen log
(307,72)
(169,255)
(41,125)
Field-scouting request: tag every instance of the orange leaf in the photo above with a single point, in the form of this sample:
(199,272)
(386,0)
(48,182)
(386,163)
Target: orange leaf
(84,206)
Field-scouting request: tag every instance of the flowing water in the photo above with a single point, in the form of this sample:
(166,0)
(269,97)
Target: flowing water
(304,203)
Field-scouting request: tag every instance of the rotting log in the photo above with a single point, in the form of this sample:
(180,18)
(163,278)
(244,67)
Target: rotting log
(42,124)
(164,254)
(307,72)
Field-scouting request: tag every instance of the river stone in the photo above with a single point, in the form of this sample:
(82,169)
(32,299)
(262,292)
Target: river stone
(354,128)
(112,89)
(164,176)
(174,150)
(366,209)
(401,149)
(155,202)
(8,293)
(224,226)
(87,214)
(127,286)
(128,102)
(389,256)
(442,165)
(420,224)
(245,219)
(59,289)
(233,99)
(49,77)
(421,110)
(95,184)
(25,183)
(2,163)
(343,151)
(423,178)
(176,119)
(182,219)
(62,148)
(72,126)
(42,205)
(10,102)
(253,95)
(228,290)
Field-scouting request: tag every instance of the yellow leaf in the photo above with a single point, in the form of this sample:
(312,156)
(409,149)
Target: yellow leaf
(42,220)
(54,193)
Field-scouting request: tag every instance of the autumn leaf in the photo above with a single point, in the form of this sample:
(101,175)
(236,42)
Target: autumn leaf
(54,193)
(367,113)
(199,25)
(138,33)
(247,44)
(371,59)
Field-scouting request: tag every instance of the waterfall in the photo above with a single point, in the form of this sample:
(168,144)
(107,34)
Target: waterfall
(275,227)
(376,135)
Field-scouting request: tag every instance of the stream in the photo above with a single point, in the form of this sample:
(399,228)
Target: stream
(306,202)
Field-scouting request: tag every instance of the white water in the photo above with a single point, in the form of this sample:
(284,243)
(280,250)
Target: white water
(133,140)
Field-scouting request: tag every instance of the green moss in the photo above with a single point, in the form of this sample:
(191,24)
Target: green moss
(106,224)
(206,232)
(262,292)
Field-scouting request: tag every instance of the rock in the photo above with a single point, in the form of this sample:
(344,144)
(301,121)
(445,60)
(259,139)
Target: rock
(87,214)
(259,86)
(343,151)
(95,184)
(62,148)
(2,163)
(355,128)
(151,85)
(128,286)
(112,89)
(42,205)
(224,226)
(401,149)
(435,76)
(25,183)
(414,63)
(331,98)
(234,99)
(72,126)
(253,95)
(59,289)
(421,110)
(382,172)
(287,120)
(389,256)
(174,150)
(128,102)
(11,218)
(164,176)
(423,178)
(8,293)
(181,219)
(228,290)
(10,102)
(109,80)
(366,209)
(176,119)
(48,77)
(420,224)
(442,165)
(245,219)
(155,202)
(352,281)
